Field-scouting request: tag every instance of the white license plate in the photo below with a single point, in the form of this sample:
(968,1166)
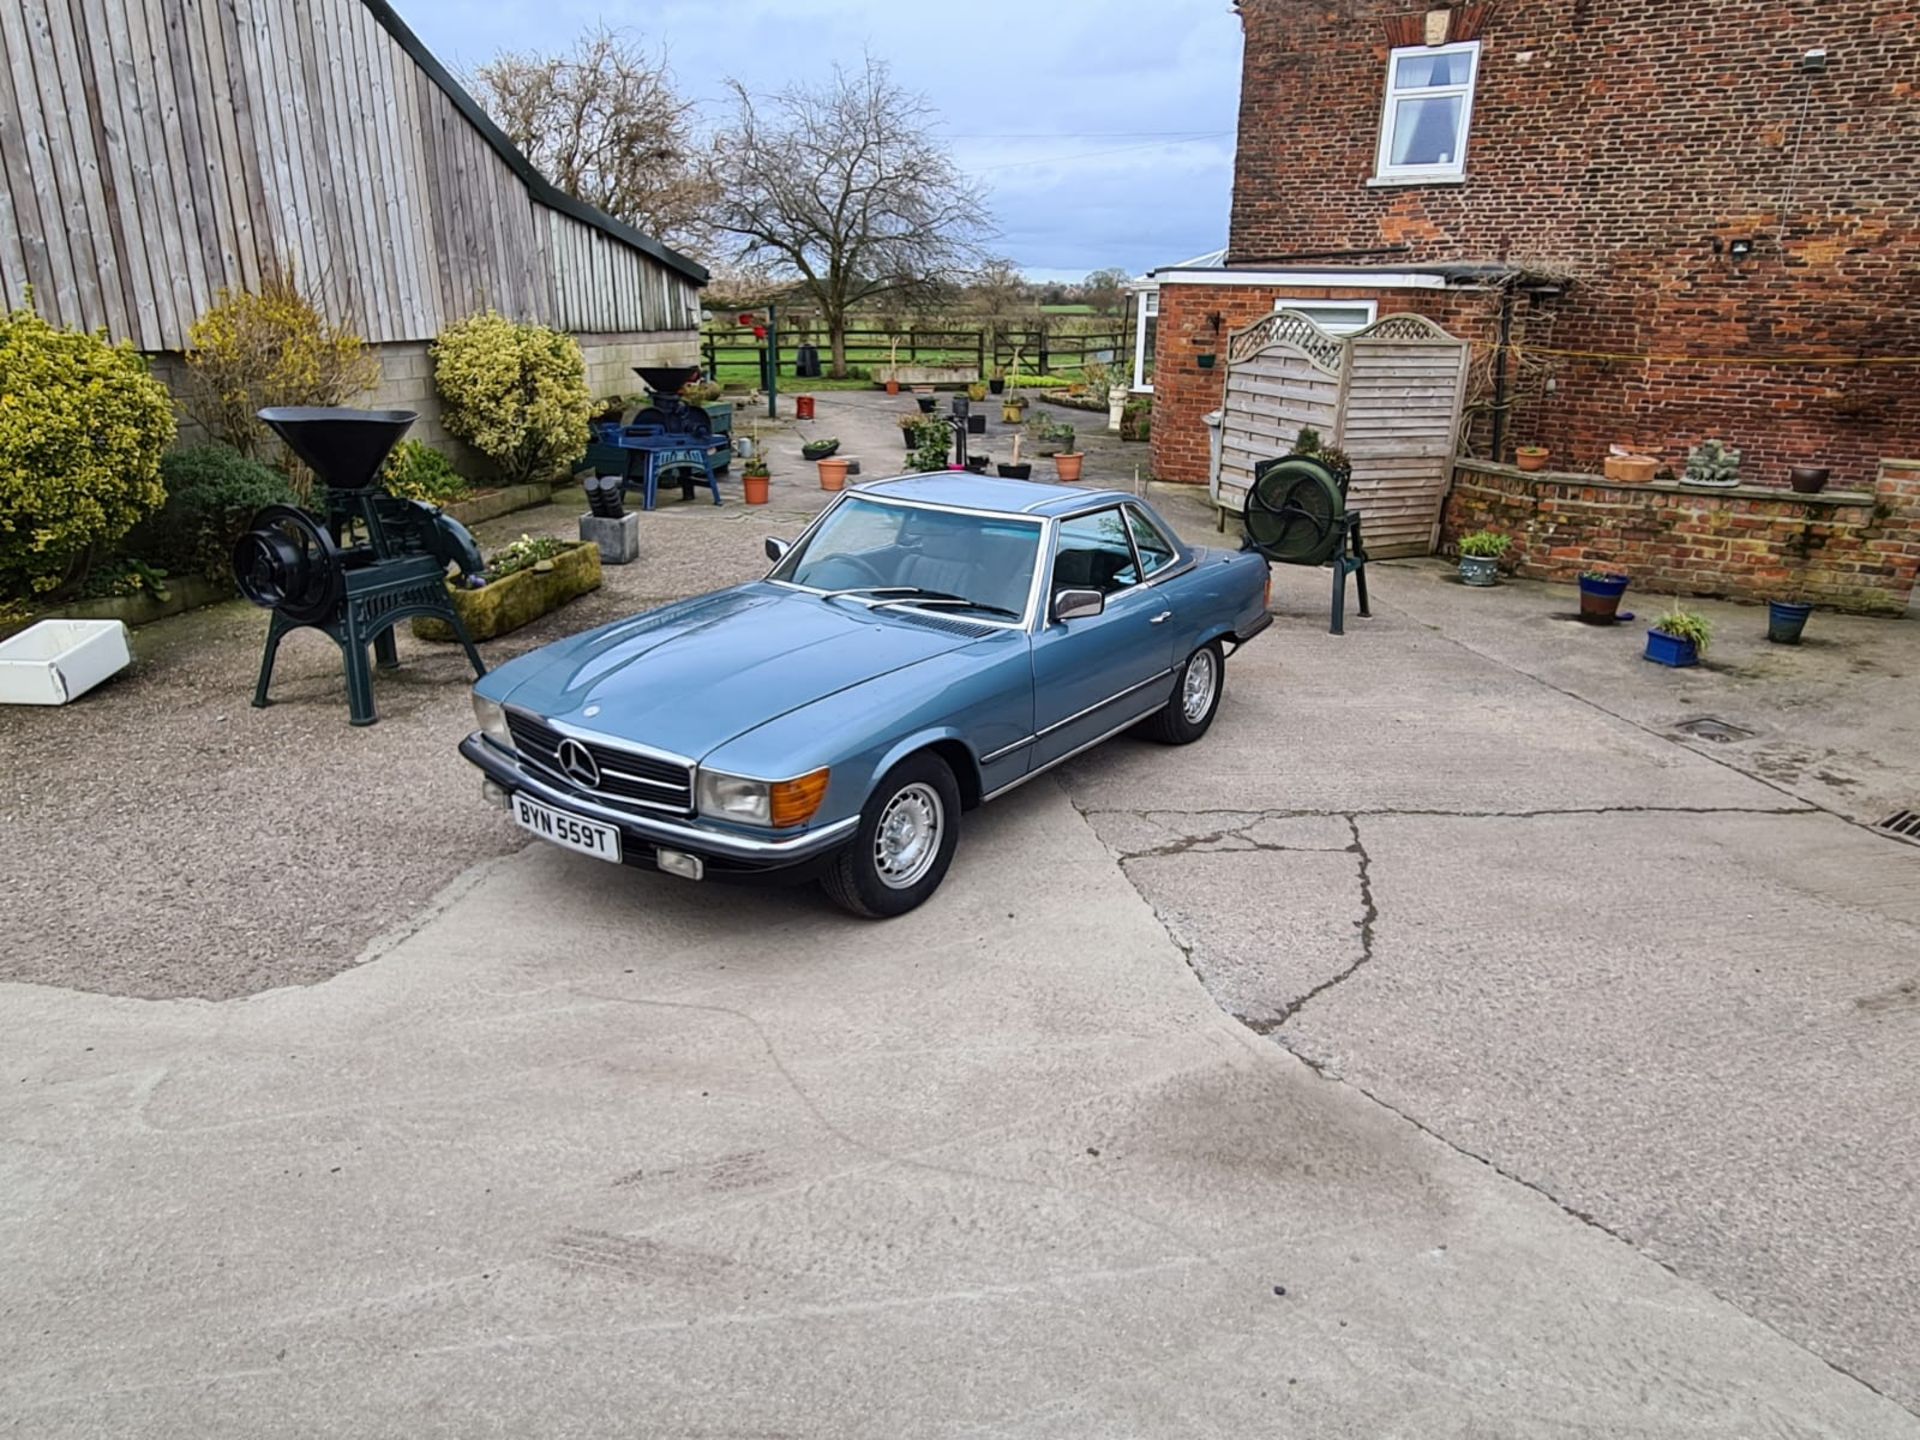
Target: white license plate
(589,837)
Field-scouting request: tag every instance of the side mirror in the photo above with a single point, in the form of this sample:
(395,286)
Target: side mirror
(1078,604)
(777,549)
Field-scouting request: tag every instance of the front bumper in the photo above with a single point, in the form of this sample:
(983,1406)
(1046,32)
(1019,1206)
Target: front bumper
(726,854)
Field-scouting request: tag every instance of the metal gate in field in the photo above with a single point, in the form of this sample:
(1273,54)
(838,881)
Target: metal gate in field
(1389,395)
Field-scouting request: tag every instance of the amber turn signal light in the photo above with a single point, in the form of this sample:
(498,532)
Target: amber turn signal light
(794,801)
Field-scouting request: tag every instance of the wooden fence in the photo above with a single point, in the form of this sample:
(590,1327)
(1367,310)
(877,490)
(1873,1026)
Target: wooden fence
(731,353)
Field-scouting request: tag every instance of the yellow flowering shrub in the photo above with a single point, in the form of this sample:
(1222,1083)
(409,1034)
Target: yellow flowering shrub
(270,347)
(515,393)
(82,429)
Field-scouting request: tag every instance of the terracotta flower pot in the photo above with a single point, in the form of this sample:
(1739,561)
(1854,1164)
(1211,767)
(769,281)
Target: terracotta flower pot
(893,387)
(756,488)
(1068,466)
(833,473)
(1631,469)
(1531,458)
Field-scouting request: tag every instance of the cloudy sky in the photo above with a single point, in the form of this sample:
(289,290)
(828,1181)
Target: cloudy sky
(1104,130)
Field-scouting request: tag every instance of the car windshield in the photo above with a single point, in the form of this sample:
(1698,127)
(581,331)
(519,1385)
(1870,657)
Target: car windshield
(909,555)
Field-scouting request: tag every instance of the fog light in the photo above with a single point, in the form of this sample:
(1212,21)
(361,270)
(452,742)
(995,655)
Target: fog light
(678,862)
(493,794)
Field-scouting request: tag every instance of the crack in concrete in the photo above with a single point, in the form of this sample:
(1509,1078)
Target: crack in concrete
(1331,1077)
(1369,916)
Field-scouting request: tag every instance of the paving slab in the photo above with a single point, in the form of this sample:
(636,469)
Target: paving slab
(591,1152)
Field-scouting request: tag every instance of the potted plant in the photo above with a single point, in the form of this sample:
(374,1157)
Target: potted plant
(1679,638)
(1808,479)
(997,383)
(1136,421)
(1018,469)
(1531,458)
(1480,555)
(924,401)
(1600,592)
(819,449)
(931,439)
(910,424)
(1049,436)
(893,364)
(1013,410)
(977,391)
(755,482)
(1785,620)
(1712,466)
(833,474)
(1067,464)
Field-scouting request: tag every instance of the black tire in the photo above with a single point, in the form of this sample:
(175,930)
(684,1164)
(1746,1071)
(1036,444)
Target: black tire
(1172,724)
(856,882)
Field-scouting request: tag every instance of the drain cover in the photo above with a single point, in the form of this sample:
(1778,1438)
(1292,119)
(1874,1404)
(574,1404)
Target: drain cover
(1905,824)
(1719,731)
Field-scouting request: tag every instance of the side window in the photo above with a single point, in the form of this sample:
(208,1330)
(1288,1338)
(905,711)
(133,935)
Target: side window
(1094,553)
(1156,551)
(1428,109)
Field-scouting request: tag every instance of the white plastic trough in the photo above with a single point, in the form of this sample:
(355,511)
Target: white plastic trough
(56,660)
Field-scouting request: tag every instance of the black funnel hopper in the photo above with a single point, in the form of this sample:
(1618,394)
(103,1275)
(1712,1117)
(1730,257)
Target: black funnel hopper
(345,447)
(665,379)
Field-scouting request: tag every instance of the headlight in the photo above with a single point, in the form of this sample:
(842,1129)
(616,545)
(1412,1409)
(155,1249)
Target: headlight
(777,803)
(493,720)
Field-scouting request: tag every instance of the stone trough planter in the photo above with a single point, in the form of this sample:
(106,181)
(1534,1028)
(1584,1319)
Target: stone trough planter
(518,599)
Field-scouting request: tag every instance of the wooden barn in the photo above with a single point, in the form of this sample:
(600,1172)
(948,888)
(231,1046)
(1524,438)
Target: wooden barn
(154,152)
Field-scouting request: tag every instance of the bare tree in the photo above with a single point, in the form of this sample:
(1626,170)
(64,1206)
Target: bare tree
(842,186)
(998,293)
(605,123)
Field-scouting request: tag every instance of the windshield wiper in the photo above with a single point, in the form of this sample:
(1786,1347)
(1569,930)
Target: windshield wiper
(917,596)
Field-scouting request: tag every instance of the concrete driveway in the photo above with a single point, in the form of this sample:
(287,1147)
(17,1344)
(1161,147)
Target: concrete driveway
(592,1154)
(1570,1093)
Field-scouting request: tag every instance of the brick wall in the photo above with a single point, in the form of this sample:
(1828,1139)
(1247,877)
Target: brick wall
(1853,551)
(1626,144)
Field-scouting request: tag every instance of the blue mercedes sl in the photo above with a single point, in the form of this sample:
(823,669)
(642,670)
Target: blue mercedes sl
(929,643)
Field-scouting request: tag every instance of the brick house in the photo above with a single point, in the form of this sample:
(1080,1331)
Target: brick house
(1725,193)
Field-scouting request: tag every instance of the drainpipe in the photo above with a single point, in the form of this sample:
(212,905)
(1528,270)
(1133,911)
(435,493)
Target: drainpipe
(1500,372)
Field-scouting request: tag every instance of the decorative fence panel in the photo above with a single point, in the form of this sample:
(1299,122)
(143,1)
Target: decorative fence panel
(1389,395)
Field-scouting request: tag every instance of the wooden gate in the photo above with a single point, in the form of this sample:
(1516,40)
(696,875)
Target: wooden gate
(1389,395)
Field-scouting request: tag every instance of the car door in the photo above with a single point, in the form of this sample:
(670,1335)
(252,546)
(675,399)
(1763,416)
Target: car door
(1095,675)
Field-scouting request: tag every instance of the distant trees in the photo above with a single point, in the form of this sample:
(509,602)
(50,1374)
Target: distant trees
(842,185)
(604,122)
(1104,290)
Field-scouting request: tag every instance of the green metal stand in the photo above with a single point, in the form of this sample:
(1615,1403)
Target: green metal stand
(378,598)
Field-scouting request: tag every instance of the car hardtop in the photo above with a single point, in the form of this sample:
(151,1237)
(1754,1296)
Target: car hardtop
(1025,498)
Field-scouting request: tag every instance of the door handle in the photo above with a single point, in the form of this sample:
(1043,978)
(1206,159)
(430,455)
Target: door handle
(1163,615)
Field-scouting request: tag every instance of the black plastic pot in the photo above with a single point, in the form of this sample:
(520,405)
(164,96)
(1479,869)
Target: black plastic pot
(925,402)
(1785,620)
(1809,479)
(1022,471)
(1205,362)
(960,405)
(977,464)
(997,387)
(976,424)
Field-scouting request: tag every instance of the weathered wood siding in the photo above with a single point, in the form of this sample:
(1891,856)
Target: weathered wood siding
(1389,395)
(156,151)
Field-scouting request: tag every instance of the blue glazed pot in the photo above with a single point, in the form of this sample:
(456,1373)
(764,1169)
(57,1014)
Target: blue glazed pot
(1785,621)
(1600,598)
(1668,649)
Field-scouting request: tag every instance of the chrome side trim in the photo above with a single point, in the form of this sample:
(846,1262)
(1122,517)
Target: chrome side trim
(1105,735)
(1102,704)
(1005,750)
(675,834)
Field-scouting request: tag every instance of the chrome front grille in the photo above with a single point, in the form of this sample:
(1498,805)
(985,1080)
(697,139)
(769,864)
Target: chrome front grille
(628,779)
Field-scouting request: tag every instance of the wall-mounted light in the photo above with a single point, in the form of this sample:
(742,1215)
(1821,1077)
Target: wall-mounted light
(1814,62)
(1740,249)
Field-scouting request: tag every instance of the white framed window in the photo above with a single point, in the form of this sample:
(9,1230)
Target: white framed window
(1143,336)
(1428,109)
(1336,317)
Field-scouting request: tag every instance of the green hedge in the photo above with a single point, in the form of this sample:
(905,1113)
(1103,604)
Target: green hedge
(212,494)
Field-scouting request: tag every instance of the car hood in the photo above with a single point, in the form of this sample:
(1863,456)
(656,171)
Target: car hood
(691,676)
